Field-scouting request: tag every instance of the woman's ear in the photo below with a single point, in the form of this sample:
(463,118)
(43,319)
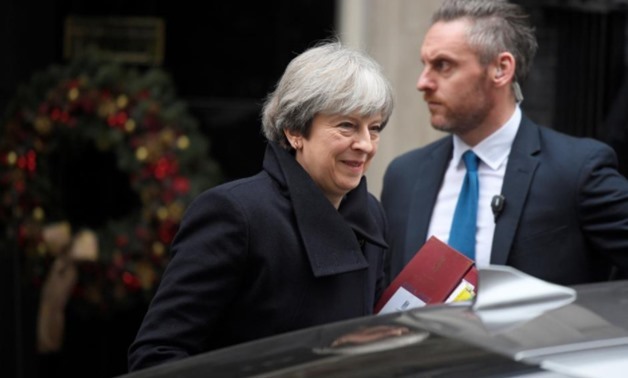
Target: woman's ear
(295,139)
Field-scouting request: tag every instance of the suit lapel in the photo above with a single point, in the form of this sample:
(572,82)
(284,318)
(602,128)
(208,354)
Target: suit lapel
(429,175)
(522,163)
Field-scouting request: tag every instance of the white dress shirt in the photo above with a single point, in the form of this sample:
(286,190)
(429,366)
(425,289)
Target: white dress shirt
(493,153)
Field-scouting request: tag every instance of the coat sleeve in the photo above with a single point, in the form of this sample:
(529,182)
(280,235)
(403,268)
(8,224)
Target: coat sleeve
(603,205)
(201,279)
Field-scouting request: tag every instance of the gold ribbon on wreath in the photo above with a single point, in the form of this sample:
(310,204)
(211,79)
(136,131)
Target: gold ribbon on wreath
(61,279)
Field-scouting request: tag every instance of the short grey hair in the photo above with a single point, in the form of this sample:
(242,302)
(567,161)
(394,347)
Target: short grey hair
(498,26)
(328,78)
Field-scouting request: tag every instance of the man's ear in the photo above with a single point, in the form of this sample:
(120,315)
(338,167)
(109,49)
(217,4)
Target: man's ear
(503,69)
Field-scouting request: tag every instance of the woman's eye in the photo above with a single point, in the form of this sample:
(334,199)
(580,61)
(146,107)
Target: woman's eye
(375,128)
(346,125)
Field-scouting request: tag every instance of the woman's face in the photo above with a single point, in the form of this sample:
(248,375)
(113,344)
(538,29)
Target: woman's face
(338,151)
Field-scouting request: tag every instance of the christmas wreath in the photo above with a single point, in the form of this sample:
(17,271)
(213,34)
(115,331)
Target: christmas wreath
(130,113)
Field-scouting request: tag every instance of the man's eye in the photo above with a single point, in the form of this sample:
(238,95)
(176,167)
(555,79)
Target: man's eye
(442,65)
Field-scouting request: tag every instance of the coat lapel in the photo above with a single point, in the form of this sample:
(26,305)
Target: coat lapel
(429,176)
(522,164)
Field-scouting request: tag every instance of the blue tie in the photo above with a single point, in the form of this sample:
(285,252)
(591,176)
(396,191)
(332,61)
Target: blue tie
(463,227)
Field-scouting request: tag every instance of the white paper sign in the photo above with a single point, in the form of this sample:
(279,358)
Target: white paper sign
(400,301)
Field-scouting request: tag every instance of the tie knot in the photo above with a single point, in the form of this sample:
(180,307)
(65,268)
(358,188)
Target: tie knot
(470,161)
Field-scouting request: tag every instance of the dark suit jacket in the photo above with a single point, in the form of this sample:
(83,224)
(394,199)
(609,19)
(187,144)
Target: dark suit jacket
(261,256)
(566,212)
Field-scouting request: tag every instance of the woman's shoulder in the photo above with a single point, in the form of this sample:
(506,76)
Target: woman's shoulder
(241,185)
(247,189)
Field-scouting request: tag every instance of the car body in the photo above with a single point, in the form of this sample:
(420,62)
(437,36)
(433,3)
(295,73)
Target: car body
(517,326)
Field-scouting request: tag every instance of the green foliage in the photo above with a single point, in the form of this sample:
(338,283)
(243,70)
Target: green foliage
(133,114)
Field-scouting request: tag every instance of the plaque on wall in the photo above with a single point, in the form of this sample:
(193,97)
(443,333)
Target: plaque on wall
(137,40)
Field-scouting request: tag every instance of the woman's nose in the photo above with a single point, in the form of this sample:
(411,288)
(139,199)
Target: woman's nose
(364,140)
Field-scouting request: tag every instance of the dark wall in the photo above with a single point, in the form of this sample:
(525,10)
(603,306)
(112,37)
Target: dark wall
(579,67)
(28,37)
(224,57)
(578,83)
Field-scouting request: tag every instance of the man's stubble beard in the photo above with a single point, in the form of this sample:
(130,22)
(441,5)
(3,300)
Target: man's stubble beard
(467,119)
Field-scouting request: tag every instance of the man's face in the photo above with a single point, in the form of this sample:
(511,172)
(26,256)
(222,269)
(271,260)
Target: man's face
(455,85)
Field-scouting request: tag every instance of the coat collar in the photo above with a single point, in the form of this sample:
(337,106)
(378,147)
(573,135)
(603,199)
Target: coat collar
(330,236)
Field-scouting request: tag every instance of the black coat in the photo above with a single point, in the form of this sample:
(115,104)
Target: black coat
(261,256)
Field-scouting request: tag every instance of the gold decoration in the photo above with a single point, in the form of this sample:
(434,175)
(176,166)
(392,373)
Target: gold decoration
(129,125)
(57,237)
(85,246)
(43,125)
(158,249)
(54,297)
(11,158)
(146,274)
(141,153)
(176,210)
(39,214)
(162,213)
(73,94)
(167,137)
(122,101)
(183,142)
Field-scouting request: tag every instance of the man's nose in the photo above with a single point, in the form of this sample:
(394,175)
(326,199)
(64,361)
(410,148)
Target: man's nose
(424,82)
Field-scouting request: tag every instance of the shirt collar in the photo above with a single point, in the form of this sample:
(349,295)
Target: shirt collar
(493,150)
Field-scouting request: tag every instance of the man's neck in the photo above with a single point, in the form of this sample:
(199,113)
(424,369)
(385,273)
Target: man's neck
(495,119)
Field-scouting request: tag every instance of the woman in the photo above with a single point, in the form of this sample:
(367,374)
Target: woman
(299,244)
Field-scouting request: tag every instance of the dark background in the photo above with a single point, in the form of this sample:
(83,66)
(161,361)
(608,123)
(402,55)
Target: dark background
(579,79)
(224,57)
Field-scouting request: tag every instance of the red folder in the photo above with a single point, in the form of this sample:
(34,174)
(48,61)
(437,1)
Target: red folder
(434,272)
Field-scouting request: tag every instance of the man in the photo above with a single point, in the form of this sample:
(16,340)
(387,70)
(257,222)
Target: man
(560,208)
